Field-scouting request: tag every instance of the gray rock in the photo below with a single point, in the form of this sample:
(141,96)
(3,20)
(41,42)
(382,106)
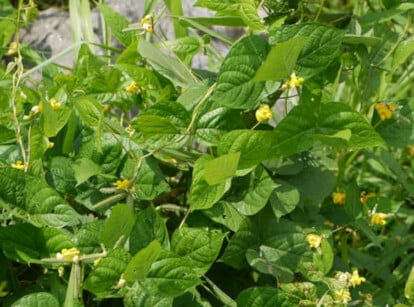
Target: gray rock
(50,34)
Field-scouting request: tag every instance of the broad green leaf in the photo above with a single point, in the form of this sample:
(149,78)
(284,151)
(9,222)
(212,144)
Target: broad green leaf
(301,293)
(215,121)
(202,194)
(167,66)
(214,5)
(163,123)
(324,260)
(254,146)
(320,49)
(225,214)
(409,286)
(40,203)
(84,169)
(284,199)
(61,175)
(315,182)
(222,168)
(39,299)
(353,205)
(28,244)
(226,21)
(308,122)
(192,95)
(54,120)
(260,297)
(149,226)
(281,60)
(186,45)
(255,190)
(170,276)
(235,86)
(150,181)
(136,297)
(143,77)
(89,110)
(248,12)
(280,243)
(403,51)
(87,239)
(198,247)
(105,275)
(108,156)
(399,130)
(140,264)
(118,226)
(117,23)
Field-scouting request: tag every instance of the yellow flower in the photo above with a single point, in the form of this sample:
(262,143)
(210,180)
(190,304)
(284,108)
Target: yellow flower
(13,48)
(338,198)
(148,23)
(133,88)
(18,165)
(107,107)
(123,184)
(38,108)
(379,219)
(364,197)
(385,110)
(54,104)
(343,296)
(263,113)
(355,280)
(70,254)
(61,271)
(293,82)
(314,240)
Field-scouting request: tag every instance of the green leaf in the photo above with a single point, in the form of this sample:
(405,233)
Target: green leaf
(84,169)
(254,146)
(149,226)
(309,122)
(61,175)
(325,259)
(186,46)
(28,244)
(399,130)
(403,51)
(117,23)
(54,120)
(220,169)
(202,194)
(198,247)
(281,244)
(169,67)
(409,286)
(43,205)
(136,297)
(150,181)
(320,49)
(105,276)
(118,226)
(142,76)
(87,239)
(284,199)
(260,297)
(170,276)
(140,264)
(255,190)
(89,110)
(39,299)
(225,214)
(235,88)
(249,14)
(163,123)
(368,41)
(281,60)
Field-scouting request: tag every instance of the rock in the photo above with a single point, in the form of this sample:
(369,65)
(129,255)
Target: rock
(50,33)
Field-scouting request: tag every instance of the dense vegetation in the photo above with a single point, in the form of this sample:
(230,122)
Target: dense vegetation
(279,174)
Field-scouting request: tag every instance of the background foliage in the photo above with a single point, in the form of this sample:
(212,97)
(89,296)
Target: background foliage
(133,178)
